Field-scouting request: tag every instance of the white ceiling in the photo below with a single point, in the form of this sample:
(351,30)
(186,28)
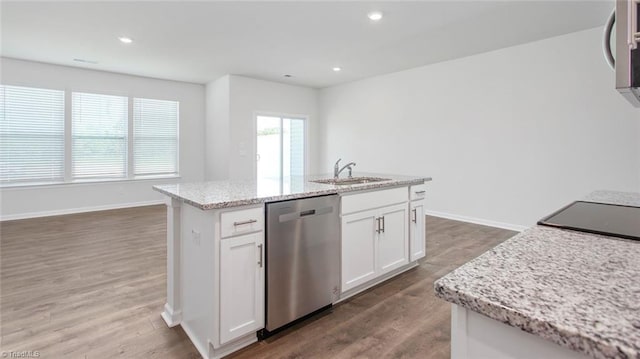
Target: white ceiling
(201,41)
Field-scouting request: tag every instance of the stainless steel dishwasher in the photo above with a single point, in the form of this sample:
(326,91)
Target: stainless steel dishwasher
(302,259)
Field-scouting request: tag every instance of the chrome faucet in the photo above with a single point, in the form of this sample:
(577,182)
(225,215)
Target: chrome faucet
(336,171)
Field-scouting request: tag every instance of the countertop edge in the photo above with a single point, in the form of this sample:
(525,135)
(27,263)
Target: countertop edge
(328,191)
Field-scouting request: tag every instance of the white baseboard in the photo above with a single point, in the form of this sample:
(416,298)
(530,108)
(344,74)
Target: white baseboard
(170,316)
(59,212)
(484,222)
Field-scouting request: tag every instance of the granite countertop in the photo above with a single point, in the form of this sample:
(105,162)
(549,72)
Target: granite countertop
(233,193)
(579,290)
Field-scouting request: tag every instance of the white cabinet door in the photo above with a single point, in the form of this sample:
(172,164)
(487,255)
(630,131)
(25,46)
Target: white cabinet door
(241,286)
(416,231)
(393,238)
(358,249)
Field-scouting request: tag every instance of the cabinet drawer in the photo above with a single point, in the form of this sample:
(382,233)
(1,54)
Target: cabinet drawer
(242,221)
(418,191)
(375,199)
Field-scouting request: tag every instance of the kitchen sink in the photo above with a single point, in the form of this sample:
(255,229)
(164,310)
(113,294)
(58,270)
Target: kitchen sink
(350,181)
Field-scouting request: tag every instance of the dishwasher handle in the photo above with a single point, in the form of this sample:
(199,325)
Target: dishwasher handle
(309,213)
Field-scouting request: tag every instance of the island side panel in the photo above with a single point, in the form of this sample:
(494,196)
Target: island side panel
(475,336)
(172,313)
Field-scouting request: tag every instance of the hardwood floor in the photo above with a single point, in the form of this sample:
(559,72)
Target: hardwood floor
(92,285)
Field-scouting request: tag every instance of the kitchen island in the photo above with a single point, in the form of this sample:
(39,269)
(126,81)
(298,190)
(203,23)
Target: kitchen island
(549,293)
(216,247)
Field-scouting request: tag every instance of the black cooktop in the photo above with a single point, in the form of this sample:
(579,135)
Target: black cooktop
(599,218)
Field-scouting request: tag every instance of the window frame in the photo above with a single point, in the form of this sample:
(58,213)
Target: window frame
(68,179)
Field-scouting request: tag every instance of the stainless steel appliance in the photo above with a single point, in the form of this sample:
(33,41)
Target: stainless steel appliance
(627,51)
(600,218)
(302,259)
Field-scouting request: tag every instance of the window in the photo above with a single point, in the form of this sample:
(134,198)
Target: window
(99,136)
(31,134)
(280,150)
(155,137)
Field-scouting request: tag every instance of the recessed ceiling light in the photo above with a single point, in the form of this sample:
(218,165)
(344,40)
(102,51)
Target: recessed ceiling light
(375,15)
(125,40)
(336,69)
(287,75)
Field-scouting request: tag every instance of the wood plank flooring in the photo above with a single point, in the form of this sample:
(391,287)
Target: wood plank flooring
(93,285)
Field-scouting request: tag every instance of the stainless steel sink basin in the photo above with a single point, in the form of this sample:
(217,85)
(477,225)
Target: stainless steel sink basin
(350,181)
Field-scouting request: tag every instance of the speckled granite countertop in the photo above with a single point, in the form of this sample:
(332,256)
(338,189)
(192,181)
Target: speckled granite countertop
(579,290)
(233,193)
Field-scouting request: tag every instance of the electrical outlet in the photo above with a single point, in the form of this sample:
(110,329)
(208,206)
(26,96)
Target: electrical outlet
(195,235)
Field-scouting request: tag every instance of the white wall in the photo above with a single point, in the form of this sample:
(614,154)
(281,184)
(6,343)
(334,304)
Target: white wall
(217,129)
(508,136)
(246,97)
(23,202)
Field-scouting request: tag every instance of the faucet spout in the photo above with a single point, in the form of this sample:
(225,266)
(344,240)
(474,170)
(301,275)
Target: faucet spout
(349,166)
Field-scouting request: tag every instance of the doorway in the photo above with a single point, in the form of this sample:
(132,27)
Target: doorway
(280,149)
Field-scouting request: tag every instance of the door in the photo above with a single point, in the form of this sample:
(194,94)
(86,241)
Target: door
(280,153)
(358,249)
(241,285)
(393,238)
(416,231)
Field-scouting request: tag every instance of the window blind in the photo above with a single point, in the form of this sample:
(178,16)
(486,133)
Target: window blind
(99,136)
(31,134)
(155,136)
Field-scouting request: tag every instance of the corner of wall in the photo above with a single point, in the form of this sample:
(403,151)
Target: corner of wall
(216,129)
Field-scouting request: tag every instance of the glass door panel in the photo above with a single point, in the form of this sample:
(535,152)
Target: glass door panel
(280,152)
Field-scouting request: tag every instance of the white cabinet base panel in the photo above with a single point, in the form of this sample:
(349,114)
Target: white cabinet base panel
(207,351)
(170,316)
(384,277)
(474,336)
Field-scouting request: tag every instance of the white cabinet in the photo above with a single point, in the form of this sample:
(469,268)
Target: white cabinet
(359,250)
(393,244)
(241,286)
(222,279)
(416,230)
(374,241)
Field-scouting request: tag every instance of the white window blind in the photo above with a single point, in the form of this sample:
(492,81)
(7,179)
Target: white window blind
(99,136)
(31,134)
(155,137)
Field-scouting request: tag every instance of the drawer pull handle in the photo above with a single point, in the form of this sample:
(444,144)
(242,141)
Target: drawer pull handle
(235,224)
(421,192)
